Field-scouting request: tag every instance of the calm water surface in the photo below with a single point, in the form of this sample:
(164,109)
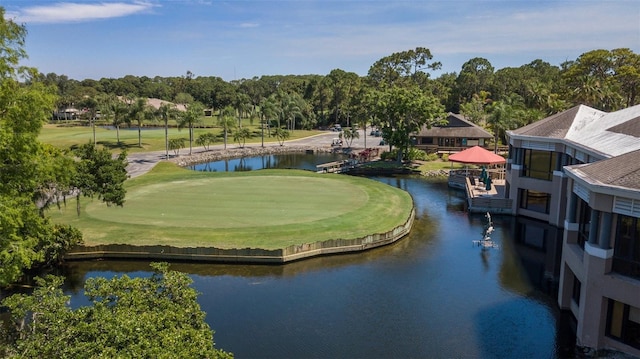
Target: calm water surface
(431,295)
(302,161)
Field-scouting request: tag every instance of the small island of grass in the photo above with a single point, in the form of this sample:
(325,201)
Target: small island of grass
(172,207)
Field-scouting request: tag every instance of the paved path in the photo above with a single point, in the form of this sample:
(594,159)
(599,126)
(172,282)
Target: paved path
(143,162)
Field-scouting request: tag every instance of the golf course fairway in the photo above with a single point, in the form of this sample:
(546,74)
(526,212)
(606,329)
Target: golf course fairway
(268,209)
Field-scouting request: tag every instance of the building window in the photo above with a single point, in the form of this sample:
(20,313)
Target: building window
(623,323)
(539,164)
(575,292)
(626,253)
(446,141)
(584,222)
(535,201)
(427,140)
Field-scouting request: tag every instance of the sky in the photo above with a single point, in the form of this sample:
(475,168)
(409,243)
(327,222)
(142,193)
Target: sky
(239,39)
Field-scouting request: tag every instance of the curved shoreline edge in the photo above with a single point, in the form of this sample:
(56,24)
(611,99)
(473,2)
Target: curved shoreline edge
(244,255)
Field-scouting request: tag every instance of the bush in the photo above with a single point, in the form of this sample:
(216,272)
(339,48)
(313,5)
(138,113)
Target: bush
(389,155)
(432,157)
(415,154)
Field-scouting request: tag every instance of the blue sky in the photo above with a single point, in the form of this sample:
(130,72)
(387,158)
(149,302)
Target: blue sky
(243,39)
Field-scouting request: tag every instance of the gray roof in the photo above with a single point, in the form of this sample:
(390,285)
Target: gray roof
(621,171)
(611,134)
(555,126)
(456,126)
(631,127)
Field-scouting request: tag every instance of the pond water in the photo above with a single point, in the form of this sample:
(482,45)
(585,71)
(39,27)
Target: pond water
(434,294)
(305,161)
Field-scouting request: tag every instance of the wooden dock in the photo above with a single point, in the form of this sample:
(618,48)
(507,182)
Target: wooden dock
(479,199)
(337,166)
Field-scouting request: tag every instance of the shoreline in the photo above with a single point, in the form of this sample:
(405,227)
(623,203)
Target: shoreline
(285,255)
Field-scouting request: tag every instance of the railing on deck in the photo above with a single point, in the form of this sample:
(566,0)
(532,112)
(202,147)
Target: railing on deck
(490,203)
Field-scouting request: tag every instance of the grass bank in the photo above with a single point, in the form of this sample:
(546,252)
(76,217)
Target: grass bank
(267,209)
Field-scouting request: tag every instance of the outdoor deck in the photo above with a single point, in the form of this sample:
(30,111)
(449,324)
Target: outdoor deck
(479,199)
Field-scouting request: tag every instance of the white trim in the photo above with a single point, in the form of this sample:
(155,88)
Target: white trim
(559,174)
(573,227)
(538,145)
(581,191)
(516,167)
(570,151)
(597,251)
(626,206)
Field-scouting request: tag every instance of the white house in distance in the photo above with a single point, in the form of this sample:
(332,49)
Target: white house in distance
(156,103)
(579,170)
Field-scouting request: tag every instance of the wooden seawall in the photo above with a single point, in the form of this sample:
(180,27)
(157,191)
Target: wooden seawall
(243,255)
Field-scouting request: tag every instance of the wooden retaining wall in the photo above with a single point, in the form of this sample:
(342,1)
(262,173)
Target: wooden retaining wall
(244,255)
(493,205)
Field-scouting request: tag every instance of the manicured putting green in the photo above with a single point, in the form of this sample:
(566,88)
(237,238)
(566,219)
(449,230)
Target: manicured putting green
(235,202)
(260,209)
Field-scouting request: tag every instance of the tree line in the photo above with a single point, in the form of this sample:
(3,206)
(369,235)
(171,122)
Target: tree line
(398,95)
(499,100)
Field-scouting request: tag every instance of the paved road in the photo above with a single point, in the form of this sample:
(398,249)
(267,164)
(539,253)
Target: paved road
(142,162)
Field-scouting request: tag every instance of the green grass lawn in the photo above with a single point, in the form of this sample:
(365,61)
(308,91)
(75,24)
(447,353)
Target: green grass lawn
(439,165)
(65,136)
(259,209)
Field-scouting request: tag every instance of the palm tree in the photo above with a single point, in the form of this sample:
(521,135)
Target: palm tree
(192,116)
(92,104)
(291,109)
(111,106)
(205,140)
(165,112)
(139,111)
(226,121)
(240,135)
(243,107)
(281,134)
(349,134)
(269,109)
(500,119)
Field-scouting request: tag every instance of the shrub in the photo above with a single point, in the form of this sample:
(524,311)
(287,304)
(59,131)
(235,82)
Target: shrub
(389,155)
(432,157)
(415,154)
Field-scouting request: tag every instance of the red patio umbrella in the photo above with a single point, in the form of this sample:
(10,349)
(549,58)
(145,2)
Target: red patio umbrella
(478,156)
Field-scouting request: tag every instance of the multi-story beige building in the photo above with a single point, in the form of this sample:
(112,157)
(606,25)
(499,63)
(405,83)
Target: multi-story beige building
(580,170)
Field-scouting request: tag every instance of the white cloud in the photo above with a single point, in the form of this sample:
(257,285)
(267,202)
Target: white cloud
(75,12)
